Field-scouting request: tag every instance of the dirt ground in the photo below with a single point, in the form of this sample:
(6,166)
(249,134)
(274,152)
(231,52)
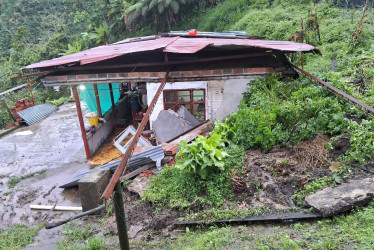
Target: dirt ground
(266,180)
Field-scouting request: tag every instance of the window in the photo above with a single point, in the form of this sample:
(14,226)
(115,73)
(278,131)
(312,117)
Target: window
(192,99)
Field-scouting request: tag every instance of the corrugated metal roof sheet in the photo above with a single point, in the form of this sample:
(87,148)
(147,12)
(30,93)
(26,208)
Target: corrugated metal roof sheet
(192,45)
(174,44)
(106,52)
(137,160)
(36,113)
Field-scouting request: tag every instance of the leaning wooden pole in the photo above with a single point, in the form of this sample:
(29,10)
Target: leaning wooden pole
(363,106)
(8,110)
(126,157)
(358,31)
(81,123)
(120,217)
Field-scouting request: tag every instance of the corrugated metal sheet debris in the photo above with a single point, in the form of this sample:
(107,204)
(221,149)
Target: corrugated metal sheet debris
(147,156)
(174,44)
(36,113)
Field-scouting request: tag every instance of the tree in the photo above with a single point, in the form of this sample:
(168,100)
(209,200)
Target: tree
(146,8)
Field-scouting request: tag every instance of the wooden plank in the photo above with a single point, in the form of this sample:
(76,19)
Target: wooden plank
(273,217)
(136,172)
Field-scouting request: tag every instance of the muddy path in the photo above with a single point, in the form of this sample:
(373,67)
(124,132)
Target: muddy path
(53,146)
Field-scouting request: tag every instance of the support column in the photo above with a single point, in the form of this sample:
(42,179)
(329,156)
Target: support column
(98,101)
(120,217)
(112,99)
(31,93)
(81,123)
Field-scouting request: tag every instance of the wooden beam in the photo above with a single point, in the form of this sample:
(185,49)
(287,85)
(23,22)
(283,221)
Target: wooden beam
(338,92)
(13,89)
(81,123)
(33,74)
(126,157)
(165,63)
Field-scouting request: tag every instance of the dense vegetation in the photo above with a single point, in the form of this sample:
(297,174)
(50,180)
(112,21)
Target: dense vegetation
(273,110)
(64,27)
(283,111)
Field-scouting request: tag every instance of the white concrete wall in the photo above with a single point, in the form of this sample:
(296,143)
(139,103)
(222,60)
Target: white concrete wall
(152,89)
(222,97)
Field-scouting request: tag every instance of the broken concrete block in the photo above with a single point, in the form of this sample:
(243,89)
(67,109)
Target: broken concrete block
(92,186)
(334,200)
(139,185)
(170,124)
(187,116)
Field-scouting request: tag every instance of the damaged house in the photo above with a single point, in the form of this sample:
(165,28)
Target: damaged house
(207,74)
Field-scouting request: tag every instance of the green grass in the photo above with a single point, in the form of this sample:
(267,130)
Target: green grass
(18,236)
(15,180)
(354,230)
(77,237)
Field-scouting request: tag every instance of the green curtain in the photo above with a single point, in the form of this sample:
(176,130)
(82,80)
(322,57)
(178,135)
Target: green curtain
(87,94)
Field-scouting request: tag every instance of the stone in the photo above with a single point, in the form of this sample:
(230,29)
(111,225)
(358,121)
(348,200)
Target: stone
(170,124)
(139,185)
(134,230)
(92,186)
(334,200)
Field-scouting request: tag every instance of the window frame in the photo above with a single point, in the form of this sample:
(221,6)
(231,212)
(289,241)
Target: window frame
(191,102)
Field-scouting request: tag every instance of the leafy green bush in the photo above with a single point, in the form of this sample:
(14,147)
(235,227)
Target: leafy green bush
(176,188)
(203,156)
(285,112)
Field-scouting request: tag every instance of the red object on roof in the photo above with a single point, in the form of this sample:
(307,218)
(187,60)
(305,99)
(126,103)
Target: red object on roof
(188,45)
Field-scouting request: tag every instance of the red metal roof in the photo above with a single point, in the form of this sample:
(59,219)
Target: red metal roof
(176,44)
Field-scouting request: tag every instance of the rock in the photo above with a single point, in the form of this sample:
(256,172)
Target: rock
(139,185)
(334,200)
(134,230)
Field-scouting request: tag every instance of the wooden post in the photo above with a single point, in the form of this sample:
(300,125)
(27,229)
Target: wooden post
(98,100)
(302,40)
(120,217)
(31,93)
(112,99)
(358,31)
(81,123)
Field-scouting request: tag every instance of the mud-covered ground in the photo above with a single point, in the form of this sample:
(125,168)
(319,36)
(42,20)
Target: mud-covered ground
(55,145)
